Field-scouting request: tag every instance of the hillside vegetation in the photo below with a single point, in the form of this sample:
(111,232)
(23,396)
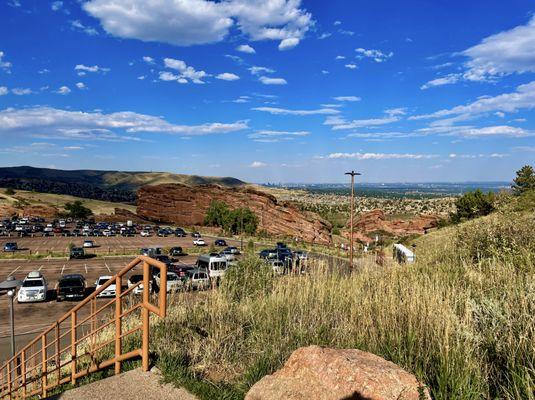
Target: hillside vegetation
(462,318)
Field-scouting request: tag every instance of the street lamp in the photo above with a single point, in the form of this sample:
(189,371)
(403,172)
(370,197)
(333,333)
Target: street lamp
(353,174)
(11,284)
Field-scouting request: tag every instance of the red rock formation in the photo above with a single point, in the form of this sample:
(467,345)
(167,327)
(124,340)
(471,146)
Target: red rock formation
(376,220)
(185,205)
(330,374)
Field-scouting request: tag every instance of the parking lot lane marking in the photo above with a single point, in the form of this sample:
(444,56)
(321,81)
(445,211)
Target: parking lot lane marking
(85,266)
(109,270)
(41,267)
(62,269)
(15,270)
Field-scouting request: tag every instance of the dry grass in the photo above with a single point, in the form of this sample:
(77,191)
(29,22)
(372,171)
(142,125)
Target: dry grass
(465,326)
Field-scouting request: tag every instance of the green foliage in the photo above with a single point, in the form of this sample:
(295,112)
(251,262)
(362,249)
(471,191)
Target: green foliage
(524,181)
(239,220)
(250,246)
(472,205)
(77,210)
(250,278)
(9,191)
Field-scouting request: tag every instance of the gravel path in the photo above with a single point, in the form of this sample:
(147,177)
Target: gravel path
(131,385)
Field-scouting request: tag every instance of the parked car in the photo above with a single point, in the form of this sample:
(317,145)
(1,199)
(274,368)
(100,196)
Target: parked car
(163,259)
(144,233)
(199,242)
(197,279)
(301,255)
(34,288)
(11,246)
(233,250)
(179,232)
(77,253)
(133,280)
(109,291)
(71,286)
(214,264)
(88,244)
(277,266)
(195,234)
(181,271)
(176,251)
(220,242)
(151,251)
(174,282)
(228,255)
(162,233)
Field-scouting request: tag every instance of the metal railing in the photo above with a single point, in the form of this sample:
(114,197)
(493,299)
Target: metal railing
(90,337)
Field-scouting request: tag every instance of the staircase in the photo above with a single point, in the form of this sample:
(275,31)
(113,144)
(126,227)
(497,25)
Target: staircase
(89,338)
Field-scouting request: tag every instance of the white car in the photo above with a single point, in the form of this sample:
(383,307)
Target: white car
(199,242)
(88,244)
(277,266)
(109,291)
(34,288)
(144,233)
(174,283)
(133,280)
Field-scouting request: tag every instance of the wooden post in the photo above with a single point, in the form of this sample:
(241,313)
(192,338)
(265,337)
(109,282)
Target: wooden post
(44,380)
(73,348)
(145,317)
(118,330)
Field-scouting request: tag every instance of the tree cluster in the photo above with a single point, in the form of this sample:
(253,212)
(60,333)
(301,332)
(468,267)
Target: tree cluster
(524,181)
(472,205)
(239,220)
(77,210)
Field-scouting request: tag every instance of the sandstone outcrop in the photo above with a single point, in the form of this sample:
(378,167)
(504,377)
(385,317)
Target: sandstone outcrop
(376,220)
(185,205)
(329,374)
(36,210)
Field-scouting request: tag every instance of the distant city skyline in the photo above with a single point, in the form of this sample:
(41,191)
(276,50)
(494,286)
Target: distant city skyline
(271,90)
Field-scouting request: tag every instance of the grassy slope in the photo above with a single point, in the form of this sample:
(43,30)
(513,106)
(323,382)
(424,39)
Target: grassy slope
(462,318)
(59,200)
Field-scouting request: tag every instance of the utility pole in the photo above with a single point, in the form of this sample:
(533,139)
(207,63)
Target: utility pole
(353,174)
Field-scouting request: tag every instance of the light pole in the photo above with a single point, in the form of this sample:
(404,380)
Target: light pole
(11,284)
(353,174)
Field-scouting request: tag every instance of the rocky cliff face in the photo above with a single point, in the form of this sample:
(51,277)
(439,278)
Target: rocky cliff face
(184,205)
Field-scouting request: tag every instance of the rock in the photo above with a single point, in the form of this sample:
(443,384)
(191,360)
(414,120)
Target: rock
(329,374)
(185,205)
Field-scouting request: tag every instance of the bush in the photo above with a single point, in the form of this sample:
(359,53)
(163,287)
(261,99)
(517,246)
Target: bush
(77,210)
(473,204)
(9,192)
(250,278)
(235,221)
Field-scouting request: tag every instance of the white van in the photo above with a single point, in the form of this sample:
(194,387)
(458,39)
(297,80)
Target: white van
(215,264)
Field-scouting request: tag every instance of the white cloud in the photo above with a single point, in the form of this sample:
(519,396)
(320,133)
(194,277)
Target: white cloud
(186,73)
(148,59)
(260,70)
(324,72)
(284,111)
(3,90)
(272,81)
(258,164)
(376,55)
(81,85)
(336,23)
(396,111)
(362,123)
(269,136)
(324,35)
(242,99)
(340,58)
(347,98)
(288,44)
(189,22)
(141,77)
(522,98)
(63,90)
(507,52)
(43,71)
(227,76)
(380,156)
(21,91)
(77,25)
(346,32)
(474,132)
(53,123)
(445,80)
(5,65)
(245,48)
(82,69)
(56,5)
(351,66)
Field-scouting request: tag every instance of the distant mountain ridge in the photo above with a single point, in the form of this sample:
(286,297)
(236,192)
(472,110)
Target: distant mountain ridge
(120,186)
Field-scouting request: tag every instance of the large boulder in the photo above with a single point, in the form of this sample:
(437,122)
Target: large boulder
(330,374)
(187,205)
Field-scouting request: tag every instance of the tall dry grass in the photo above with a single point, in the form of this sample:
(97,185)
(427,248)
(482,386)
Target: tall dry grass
(462,318)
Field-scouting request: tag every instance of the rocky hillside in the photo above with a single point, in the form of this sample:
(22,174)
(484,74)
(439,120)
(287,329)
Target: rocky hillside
(184,205)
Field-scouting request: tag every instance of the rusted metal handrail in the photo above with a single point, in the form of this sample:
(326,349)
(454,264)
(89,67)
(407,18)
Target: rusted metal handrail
(43,364)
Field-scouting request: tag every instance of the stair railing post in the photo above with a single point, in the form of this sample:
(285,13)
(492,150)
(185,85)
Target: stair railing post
(73,348)
(23,372)
(145,317)
(44,380)
(118,327)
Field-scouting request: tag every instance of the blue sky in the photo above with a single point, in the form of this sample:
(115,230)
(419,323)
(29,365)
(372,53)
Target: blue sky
(271,90)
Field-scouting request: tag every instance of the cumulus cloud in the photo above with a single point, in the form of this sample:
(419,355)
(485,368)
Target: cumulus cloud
(64,90)
(3,90)
(245,48)
(288,44)
(351,66)
(53,123)
(21,91)
(82,69)
(380,156)
(227,76)
(347,98)
(185,73)
(260,70)
(148,59)
(284,111)
(272,81)
(190,22)
(81,85)
(376,55)
(258,164)
(5,65)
